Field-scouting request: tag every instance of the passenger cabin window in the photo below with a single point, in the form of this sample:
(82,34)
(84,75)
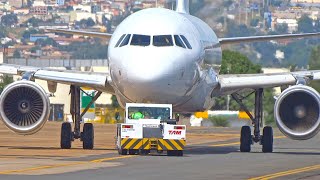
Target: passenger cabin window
(140,40)
(186,41)
(163,40)
(178,41)
(126,40)
(121,38)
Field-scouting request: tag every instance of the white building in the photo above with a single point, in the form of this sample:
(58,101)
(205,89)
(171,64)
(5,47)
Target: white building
(84,8)
(292,24)
(78,16)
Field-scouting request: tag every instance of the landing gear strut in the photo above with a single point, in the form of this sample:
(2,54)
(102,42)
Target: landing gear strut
(246,139)
(87,135)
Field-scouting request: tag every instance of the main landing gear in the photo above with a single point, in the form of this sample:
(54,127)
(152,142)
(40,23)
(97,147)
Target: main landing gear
(246,138)
(87,134)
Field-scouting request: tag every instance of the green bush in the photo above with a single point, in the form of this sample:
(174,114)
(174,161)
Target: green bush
(220,121)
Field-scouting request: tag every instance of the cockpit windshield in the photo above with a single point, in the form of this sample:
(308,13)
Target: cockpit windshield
(119,41)
(186,41)
(157,40)
(140,40)
(148,113)
(179,42)
(162,40)
(126,40)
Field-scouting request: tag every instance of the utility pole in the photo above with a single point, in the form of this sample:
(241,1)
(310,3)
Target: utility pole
(225,19)
(239,11)
(228,96)
(245,8)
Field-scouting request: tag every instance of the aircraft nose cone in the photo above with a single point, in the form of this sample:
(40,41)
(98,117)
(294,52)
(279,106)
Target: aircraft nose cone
(150,66)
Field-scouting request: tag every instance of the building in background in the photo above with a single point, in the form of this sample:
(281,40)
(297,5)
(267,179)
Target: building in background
(60,2)
(17,3)
(50,2)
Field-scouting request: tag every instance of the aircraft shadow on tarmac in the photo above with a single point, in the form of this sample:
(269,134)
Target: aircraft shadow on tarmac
(234,149)
(31,156)
(51,148)
(210,150)
(297,151)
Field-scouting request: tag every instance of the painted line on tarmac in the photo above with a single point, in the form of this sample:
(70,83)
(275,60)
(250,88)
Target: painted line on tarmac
(101,160)
(226,144)
(63,165)
(287,173)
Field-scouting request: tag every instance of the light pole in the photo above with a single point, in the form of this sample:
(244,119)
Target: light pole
(228,96)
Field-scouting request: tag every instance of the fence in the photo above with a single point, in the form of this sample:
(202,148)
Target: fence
(73,63)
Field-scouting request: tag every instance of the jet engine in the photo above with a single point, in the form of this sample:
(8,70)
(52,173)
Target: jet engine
(24,107)
(297,112)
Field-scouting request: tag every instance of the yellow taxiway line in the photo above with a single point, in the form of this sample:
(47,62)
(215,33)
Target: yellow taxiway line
(98,160)
(287,173)
(63,165)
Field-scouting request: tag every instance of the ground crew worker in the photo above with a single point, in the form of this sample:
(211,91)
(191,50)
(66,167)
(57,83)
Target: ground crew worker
(137,115)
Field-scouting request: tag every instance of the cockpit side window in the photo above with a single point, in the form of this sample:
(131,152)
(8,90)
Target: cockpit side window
(178,41)
(140,40)
(121,38)
(162,40)
(186,41)
(126,40)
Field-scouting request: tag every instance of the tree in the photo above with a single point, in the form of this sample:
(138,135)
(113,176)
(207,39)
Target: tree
(195,5)
(3,32)
(16,54)
(9,19)
(235,30)
(296,53)
(4,81)
(227,3)
(236,63)
(86,50)
(33,21)
(254,22)
(29,3)
(46,42)
(267,51)
(114,102)
(305,24)
(26,34)
(282,28)
(85,23)
(314,64)
(276,3)
(90,22)
(35,48)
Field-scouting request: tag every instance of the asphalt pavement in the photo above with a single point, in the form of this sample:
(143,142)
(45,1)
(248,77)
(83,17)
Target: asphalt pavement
(218,160)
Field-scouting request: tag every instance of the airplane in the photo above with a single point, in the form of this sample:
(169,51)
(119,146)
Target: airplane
(159,55)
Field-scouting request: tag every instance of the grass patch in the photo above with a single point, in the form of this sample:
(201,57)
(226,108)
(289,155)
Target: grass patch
(220,121)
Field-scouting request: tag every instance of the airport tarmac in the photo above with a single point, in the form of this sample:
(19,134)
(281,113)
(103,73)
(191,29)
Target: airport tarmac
(212,153)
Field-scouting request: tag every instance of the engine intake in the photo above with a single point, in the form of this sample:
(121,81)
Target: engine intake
(24,107)
(297,112)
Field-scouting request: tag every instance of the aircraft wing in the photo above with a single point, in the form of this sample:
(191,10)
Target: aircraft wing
(236,40)
(98,81)
(82,33)
(235,82)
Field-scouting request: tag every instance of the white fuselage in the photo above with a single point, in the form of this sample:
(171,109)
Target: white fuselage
(161,71)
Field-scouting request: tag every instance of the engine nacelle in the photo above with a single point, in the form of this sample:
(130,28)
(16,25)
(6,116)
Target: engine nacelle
(297,112)
(24,107)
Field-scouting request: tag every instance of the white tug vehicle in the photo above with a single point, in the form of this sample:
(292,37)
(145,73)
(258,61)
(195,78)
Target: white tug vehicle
(150,127)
